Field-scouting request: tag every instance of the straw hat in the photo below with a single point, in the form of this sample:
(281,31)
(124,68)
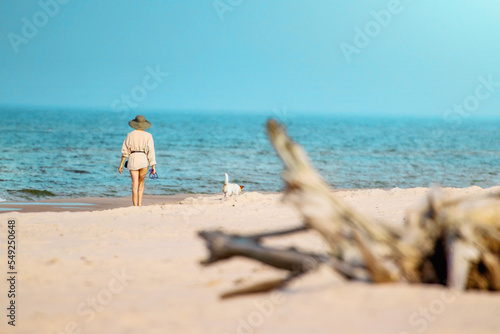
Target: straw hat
(140,123)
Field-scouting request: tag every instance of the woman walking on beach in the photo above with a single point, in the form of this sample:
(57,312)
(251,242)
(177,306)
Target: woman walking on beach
(139,148)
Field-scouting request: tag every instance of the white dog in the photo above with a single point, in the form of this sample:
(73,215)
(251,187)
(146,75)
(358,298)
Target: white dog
(230,189)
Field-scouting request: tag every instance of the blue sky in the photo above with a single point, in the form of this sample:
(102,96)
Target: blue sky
(423,59)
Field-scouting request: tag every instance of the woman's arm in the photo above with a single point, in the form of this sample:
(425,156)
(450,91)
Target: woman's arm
(151,154)
(125,154)
(120,169)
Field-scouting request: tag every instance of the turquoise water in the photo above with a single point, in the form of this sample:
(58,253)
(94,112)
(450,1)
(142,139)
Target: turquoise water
(57,154)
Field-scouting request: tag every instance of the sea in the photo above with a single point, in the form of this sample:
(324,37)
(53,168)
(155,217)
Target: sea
(55,153)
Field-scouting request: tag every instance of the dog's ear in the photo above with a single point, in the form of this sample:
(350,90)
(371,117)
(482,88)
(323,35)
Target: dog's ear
(242,187)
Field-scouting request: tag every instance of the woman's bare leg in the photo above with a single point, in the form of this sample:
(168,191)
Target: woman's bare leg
(142,176)
(134,174)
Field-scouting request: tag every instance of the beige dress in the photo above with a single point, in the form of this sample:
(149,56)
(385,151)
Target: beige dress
(139,141)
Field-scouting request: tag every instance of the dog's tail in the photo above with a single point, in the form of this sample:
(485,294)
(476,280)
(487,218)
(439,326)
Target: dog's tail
(227,179)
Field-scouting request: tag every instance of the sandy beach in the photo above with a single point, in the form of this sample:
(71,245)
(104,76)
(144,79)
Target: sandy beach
(86,204)
(121,269)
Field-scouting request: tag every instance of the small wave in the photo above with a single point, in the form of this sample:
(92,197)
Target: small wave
(77,171)
(2,200)
(30,193)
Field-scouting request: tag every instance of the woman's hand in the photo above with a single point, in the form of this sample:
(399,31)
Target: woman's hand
(120,169)
(154,169)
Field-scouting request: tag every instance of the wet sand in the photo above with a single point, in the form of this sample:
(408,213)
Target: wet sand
(86,203)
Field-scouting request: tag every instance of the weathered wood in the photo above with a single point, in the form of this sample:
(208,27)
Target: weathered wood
(312,196)
(448,240)
(223,246)
(261,287)
(492,263)
(325,213)
(378,272)
(256,288)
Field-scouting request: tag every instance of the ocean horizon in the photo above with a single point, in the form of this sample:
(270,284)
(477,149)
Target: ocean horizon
(70,154)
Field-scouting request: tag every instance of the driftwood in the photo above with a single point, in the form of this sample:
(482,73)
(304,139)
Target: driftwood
(450,241)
